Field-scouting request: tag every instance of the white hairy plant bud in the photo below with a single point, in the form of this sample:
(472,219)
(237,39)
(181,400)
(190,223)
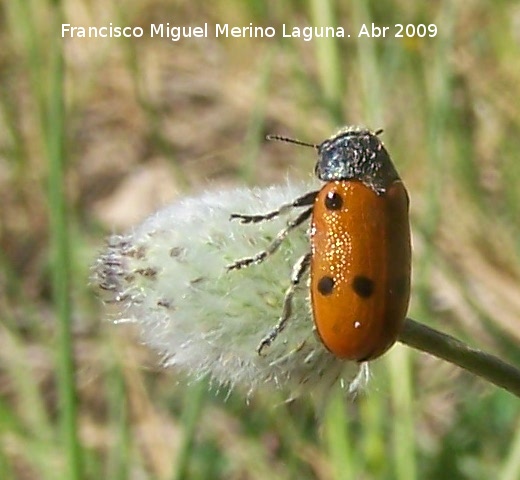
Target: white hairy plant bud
(169,276)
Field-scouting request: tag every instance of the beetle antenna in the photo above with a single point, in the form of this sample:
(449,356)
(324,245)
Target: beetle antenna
(290,140)
(379,131)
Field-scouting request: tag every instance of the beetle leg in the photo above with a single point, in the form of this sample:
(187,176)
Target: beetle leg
(299,270)
(303,201)
(273,246)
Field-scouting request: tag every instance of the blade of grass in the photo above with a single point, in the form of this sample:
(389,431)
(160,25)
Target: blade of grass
(403,418)
(511,467)
(46,70)
(372,443)
(438,112)
(31,405)
(256,121)
(60,253)
(368,69)
(194,400)
(119,459)
(8,423)
(341,451)
(328,59)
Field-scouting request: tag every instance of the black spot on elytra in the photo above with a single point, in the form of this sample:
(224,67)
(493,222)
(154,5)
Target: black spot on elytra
(326,285)
(363,286)
(333,201)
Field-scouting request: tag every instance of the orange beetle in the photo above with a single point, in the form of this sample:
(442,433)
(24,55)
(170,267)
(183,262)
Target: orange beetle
(360,258)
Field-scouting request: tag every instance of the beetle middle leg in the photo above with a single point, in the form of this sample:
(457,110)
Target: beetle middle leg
(299,270)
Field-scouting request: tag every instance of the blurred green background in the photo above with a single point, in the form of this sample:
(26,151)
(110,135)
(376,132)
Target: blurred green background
(97,133)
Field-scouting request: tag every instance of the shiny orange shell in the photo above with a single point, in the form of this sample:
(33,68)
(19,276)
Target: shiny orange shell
(360,267)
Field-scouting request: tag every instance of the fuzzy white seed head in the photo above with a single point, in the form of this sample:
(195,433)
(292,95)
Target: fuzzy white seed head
(169,276)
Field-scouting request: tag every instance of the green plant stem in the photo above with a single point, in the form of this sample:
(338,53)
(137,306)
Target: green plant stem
(485,365)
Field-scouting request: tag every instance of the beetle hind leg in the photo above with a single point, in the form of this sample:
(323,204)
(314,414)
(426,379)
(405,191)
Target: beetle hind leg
(299,270)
